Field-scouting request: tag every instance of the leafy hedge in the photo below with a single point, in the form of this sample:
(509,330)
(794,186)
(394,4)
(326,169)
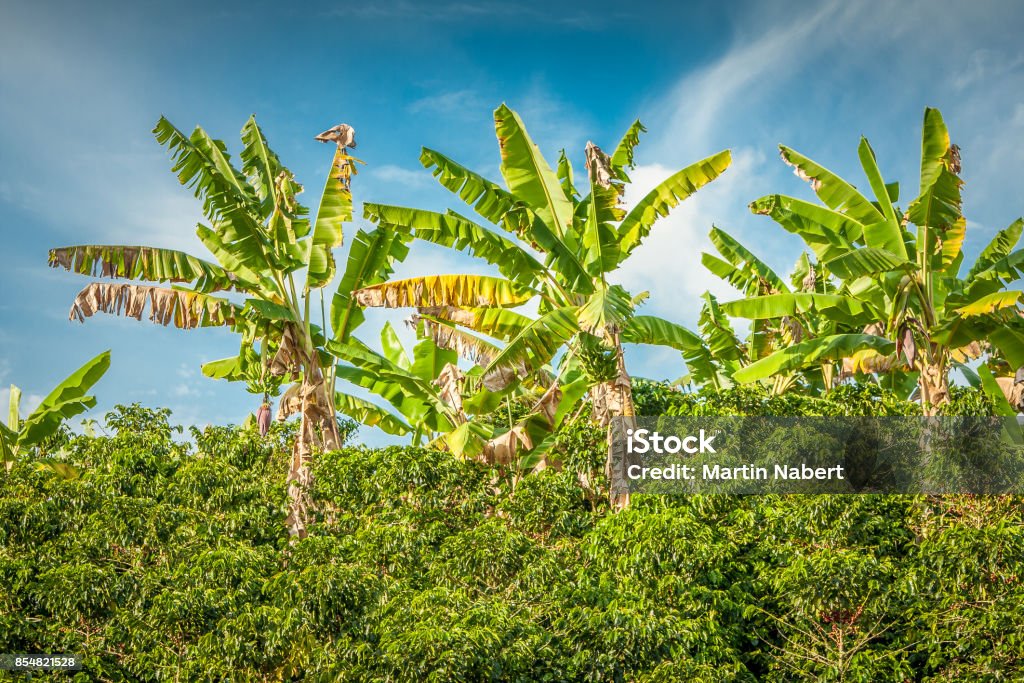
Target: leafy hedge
(170,561)
(655,398)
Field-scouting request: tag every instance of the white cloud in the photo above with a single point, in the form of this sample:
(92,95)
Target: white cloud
(29,402)
(448,103)
(767,88)
(184,390)
(1018,114)
(389,173)
(984,65)
(736,97)
(696,105)
(192,384)
(668,262)
(704,107)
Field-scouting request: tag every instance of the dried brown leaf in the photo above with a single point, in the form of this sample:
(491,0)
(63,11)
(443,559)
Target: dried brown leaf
(185,309)
(599,166)
(343,134)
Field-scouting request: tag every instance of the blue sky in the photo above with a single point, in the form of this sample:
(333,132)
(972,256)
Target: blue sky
(81,85)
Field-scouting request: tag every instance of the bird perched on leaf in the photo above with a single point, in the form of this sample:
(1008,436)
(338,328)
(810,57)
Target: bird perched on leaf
(343,134)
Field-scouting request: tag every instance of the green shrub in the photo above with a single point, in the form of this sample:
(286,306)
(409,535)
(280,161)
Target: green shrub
(169,560)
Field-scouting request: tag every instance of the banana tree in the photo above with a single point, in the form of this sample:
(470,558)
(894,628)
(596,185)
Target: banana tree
(420,388)
(904,285)
(270,264)
(715,353)
(69,398)
(783,314)
(558,252)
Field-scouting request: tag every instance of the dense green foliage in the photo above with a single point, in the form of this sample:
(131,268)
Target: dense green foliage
(655,398)
(169,560)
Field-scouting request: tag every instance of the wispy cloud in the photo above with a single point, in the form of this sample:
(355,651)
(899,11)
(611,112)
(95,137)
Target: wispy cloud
(464,101)
(187,386)
(703,100)
(699,110)
(392,174)
(184,390)
(478,11)
(94,166)
(767,88)
(1018,114)
(983,66)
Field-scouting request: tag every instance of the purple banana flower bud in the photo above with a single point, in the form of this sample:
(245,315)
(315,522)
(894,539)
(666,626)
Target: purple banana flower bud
(263,418)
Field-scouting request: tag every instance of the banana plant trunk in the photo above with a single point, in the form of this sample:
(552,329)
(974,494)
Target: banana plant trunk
(614,399)
(933,383)
(318,431)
